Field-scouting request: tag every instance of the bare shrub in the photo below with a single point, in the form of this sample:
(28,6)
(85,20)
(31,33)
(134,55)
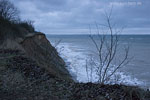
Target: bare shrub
(28,25)
(107,49)
(8,11)
(90,66)
(10,24)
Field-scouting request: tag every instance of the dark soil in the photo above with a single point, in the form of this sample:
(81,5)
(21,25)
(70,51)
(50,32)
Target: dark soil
(22,79)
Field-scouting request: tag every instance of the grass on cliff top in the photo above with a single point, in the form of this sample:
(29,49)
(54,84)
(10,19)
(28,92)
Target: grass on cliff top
(10,29)
(11,25)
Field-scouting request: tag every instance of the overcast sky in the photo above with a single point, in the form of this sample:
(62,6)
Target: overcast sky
(75,16)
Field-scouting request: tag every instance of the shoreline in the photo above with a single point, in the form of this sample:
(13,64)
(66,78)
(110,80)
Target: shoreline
(47,88)
(72,61)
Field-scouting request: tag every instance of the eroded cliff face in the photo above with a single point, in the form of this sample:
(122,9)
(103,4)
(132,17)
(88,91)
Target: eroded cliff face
(37,47)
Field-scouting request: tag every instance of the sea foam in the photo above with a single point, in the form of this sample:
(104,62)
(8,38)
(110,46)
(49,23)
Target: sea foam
(75,58)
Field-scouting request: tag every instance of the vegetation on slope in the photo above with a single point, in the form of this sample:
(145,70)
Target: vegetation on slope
(21,77)
(10,24)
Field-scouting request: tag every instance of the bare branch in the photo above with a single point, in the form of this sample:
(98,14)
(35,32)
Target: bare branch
(8,11)
(107,50)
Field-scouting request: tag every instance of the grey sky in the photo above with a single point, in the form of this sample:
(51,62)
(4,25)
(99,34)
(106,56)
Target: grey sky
(75,16)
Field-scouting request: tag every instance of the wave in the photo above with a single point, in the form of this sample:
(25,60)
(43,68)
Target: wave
(75,58)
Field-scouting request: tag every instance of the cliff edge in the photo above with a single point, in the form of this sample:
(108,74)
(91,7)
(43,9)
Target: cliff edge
(38,48)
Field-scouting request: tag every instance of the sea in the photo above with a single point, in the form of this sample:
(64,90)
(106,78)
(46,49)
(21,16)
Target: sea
(76,49)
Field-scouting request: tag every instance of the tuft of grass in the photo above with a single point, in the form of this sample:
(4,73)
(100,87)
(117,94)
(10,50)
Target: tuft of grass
(28,25)
(13,29)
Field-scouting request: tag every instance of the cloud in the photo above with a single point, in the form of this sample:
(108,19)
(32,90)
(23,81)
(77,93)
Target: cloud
(65,16)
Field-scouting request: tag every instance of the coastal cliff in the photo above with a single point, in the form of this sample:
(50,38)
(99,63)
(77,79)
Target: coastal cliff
(39,49)
(31,69)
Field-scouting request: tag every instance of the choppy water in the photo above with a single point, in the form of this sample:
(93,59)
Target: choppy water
(75,49)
